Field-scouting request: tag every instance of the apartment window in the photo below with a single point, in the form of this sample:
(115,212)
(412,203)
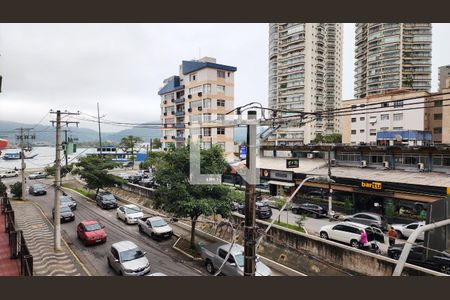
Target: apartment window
(384,128)
(207,103)
(228,74)
(353,131)
(437,130)
(222,145)
(206,145)
(206,88)
(362,118)
(206,131)
(398,103)
(385,104)
(361,131)
(384,117)
(195,90)
(193,77)
(398,117)
(221,103)
(221,74)
(195,131)
(437,116)
(353,120)
(220,117)
(221,89)
(206,117)
(438,103)
(373,132)
(221,130)
(398,128)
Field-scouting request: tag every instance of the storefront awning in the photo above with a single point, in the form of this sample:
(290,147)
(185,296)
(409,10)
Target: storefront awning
(276,182)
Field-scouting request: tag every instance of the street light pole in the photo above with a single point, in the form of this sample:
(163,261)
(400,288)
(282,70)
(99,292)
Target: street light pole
(330,190)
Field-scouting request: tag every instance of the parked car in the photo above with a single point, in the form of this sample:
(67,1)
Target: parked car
(129,213)
(134,179)
(37,190)
(350,233)
(38,175)
(106,200)
(68,201)
(235,206)
(405,230)
(66,214)
(91,232)
(5,174)
(263,211)
(370,219)
(127,259)
(439,262)
(214,254)
(155,227)
(129,164)
(156,274)
(311,209)
(146,182)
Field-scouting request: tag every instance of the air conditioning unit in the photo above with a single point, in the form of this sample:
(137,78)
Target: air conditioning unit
(165,125)
(165,137)
(165,149)
(200,94)
(165,101)
(310,155)
(199,108)
(189,123)
(333,162)
(189,136)
(173,100)
(172,112)
(173,137)
(421,167)
(363,164)
(200,136)
(165,113)
(386,164)
(189,96)
(189,109)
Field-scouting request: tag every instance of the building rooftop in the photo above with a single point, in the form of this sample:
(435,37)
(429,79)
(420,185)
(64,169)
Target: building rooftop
(189,66)
(172,84)
(305,165)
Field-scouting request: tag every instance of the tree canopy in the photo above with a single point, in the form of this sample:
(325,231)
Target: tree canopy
(51,170)
(176,195)
(329,138)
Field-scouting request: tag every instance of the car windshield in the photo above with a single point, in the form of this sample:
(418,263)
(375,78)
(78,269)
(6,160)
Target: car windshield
(65,209)
(66,199)
(239,258)
(131,254)
(159,223)
(109,197)
(93,227)
(38,187)
(132,210)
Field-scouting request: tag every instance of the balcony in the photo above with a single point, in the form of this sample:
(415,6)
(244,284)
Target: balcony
(179,125)
(179,113)
(179,138)
(179,100)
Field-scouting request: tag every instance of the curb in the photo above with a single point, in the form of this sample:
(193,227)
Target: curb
(183,252)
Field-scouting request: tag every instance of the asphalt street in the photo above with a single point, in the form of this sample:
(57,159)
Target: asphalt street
(162,256)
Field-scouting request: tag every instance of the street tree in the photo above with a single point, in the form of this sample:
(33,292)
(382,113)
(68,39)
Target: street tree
(94,171)
(16,189)
(156,143)
(3,188)
(176,195)
(51,170)
(128,145)
(151,160)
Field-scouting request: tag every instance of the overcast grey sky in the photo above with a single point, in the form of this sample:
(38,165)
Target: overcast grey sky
(122,66)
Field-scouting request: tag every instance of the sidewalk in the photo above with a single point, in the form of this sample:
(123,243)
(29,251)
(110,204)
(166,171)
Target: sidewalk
(38,233)
(8,266)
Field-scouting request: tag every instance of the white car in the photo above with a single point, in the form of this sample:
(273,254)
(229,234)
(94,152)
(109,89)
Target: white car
(350,233)
(155,227)
(6,174)
(405,230)
(129,213)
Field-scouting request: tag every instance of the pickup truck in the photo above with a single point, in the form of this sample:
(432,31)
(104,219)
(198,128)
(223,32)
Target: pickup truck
(155,227)
(214,254)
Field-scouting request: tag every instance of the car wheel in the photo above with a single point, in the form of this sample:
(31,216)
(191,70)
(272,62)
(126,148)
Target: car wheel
(445,269)
(315,215)
(324,235)
(17,175)
(396,255)
(354,243)
(399,234)
(117,215)
(140,228)
(109,263)
(209,267)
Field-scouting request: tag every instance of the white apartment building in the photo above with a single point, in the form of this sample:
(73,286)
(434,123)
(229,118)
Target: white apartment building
(305,74)
(193,101)
(405,111)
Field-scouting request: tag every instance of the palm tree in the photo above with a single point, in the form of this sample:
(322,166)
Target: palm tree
(128,143)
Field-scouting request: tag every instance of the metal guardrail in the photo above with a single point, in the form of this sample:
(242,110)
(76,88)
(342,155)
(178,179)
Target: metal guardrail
(17,244)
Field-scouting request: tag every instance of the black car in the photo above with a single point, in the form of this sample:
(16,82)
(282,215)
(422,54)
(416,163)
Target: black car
(311,209)
(134,179)
(106,200)
(66,214)
(68,201)
(37,190)
(439,262)
(263,211)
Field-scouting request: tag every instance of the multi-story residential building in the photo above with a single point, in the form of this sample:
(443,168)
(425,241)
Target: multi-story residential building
(444,77)
(392,56)
(194,100)
(396,111)
(305,74)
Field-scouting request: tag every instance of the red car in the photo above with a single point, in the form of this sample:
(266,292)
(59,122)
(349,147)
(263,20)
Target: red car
(91,232)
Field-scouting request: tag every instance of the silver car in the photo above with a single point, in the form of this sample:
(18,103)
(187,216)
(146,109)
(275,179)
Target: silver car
(127,259)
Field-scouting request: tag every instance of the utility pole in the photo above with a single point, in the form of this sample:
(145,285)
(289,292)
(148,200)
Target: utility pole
(99,131)
(250,200)
(330,190)
(22,137)
(57,204)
